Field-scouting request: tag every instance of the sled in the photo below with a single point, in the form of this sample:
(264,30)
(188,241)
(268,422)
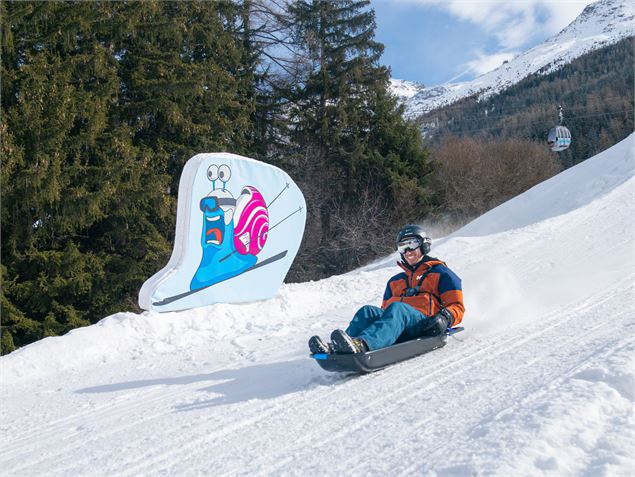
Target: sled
(380,358)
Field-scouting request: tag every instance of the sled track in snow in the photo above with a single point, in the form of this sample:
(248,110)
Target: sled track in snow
(421,385)
(374,411)
(359,412)
(18,456)
(57,430)
(353,426)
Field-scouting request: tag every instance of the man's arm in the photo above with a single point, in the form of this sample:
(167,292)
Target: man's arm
(451,295)
(389,295)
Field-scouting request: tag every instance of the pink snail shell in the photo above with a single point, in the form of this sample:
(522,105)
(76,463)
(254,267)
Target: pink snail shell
(251,221)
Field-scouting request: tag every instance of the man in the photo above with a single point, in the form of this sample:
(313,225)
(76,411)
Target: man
(423,300)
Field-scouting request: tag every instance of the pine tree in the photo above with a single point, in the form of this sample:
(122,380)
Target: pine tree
(185,85)
(102,104)
(344,117)
(335,100)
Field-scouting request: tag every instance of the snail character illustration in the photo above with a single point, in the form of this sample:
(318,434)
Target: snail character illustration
(234,231)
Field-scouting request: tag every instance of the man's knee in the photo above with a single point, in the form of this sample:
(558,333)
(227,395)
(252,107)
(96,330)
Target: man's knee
(407,314)
(398,307)
(367,310)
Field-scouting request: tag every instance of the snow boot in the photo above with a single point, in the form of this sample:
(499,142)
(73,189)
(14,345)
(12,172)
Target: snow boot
(344,344)
(317,346)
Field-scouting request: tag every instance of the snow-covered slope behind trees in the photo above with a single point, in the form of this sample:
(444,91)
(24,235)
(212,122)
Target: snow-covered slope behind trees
(541,382)
(600,24)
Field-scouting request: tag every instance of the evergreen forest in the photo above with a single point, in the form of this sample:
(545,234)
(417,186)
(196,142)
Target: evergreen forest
(596,92)
(104,102)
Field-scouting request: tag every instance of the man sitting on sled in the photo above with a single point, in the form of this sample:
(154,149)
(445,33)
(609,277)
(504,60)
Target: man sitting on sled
(424,300)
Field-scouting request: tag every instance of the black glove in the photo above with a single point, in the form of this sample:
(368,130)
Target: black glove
(449,319)
(440,322)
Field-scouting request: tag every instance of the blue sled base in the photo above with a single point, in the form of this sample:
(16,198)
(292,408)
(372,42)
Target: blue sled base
(380,358)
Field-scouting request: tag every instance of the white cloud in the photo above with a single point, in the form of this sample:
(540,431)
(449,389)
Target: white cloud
(513,23)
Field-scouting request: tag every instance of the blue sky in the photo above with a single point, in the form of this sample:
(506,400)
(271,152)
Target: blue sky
(436,41)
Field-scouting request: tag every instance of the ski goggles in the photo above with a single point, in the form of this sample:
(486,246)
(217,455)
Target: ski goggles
(412,243)
(213,203)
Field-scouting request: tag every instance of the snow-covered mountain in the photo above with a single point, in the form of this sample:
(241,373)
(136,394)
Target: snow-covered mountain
(540,383)
(405,89)
(600,24)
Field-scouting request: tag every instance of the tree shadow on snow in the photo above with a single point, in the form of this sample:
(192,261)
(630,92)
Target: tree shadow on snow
(262,381)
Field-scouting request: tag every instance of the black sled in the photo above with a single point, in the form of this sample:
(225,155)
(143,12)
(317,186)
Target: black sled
(380,358)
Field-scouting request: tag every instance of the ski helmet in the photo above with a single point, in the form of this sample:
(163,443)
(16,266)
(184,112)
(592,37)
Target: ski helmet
(412,230)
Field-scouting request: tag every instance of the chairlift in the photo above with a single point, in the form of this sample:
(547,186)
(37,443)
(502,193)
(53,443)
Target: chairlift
(559,138)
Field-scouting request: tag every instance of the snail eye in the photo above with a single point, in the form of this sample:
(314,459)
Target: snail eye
(224,173)
(212,172)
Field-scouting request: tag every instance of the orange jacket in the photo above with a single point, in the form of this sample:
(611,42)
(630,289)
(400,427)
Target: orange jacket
(440,287)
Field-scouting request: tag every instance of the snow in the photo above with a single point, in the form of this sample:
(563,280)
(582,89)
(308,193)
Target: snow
(541,382)
(405,89)
(602,23)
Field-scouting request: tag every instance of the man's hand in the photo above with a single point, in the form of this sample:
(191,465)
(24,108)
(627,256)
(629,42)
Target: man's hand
(446,315)
(440,322)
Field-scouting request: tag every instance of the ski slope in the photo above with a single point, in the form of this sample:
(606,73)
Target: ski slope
(541,382)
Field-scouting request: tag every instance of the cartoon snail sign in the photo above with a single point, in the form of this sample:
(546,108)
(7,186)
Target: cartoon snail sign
(239,225)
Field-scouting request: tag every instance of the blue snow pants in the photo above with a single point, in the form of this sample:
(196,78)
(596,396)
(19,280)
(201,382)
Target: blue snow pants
(380,328)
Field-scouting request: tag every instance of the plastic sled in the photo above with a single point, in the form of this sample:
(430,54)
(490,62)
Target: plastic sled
(380,358)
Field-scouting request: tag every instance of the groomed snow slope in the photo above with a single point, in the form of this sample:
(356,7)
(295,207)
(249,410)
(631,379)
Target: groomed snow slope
(541,382)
